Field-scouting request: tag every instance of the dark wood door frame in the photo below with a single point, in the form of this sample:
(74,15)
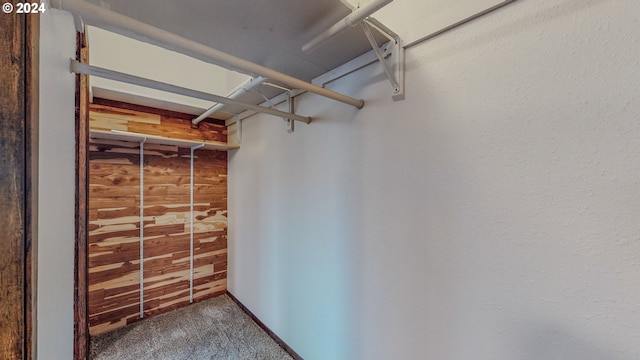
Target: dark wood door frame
(81,288)
(18,183)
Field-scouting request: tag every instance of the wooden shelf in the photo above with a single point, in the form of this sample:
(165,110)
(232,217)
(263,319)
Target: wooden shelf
(153,139)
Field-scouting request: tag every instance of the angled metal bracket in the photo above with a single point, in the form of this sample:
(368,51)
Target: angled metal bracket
(289,100)
(390,56)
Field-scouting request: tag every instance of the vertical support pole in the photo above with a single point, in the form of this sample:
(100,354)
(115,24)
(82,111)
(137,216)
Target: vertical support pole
(290,122)
(239,133)
(142,227)
(193,148)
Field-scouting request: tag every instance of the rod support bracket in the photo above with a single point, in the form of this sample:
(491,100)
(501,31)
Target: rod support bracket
(397,61)
(391,57)
(290,122)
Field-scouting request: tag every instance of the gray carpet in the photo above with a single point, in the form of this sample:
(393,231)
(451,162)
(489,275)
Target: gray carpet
(213,329)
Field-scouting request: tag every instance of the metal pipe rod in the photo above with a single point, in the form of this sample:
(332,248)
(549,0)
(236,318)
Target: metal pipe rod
(459,23)
(235,94)
(349,21)
(98,16)
(142,227)
(193,149)
(80,68)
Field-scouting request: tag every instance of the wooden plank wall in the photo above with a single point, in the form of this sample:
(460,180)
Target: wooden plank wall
(114,188)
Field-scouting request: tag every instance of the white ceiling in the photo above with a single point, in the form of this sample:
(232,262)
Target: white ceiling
(270,33)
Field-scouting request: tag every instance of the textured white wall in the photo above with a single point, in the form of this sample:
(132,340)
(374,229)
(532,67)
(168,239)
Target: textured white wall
(56,200)
(490,215)
(116,52)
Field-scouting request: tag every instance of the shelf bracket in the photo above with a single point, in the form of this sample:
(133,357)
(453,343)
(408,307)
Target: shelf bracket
(289,99)
(394,67)
(290,122)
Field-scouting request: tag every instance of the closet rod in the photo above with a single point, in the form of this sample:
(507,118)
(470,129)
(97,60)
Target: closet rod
(96,15)
(349,21)
(459,23)
(80,68)
(245,87)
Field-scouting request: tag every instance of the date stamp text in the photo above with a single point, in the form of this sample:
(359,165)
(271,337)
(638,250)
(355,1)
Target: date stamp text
(24,8)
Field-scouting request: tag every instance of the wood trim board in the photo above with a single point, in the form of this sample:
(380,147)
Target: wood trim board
(81,325)
(266,329)
(152,139)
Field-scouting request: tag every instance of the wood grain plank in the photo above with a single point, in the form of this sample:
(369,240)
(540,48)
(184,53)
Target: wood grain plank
(216,123)
(122,115)
(103,117)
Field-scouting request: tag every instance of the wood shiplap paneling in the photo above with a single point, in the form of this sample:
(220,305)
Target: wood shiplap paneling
(114,200)
(104,117)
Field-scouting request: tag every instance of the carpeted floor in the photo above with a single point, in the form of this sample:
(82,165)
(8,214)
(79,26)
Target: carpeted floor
(212,329)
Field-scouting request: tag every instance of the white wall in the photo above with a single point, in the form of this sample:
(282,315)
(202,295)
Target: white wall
(493,214)
(56,229)
(119,53)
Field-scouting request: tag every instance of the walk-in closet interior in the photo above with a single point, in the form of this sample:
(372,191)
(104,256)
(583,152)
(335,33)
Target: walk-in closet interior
(368,179)
(157,168)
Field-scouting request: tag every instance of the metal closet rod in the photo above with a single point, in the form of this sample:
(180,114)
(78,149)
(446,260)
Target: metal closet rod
(80,68)
(95,15)
(235,94)
(459,23)
(349,21)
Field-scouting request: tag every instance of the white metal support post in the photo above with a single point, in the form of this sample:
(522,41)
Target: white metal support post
(142,227)
(193,149)
(290,122)
(239,132)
